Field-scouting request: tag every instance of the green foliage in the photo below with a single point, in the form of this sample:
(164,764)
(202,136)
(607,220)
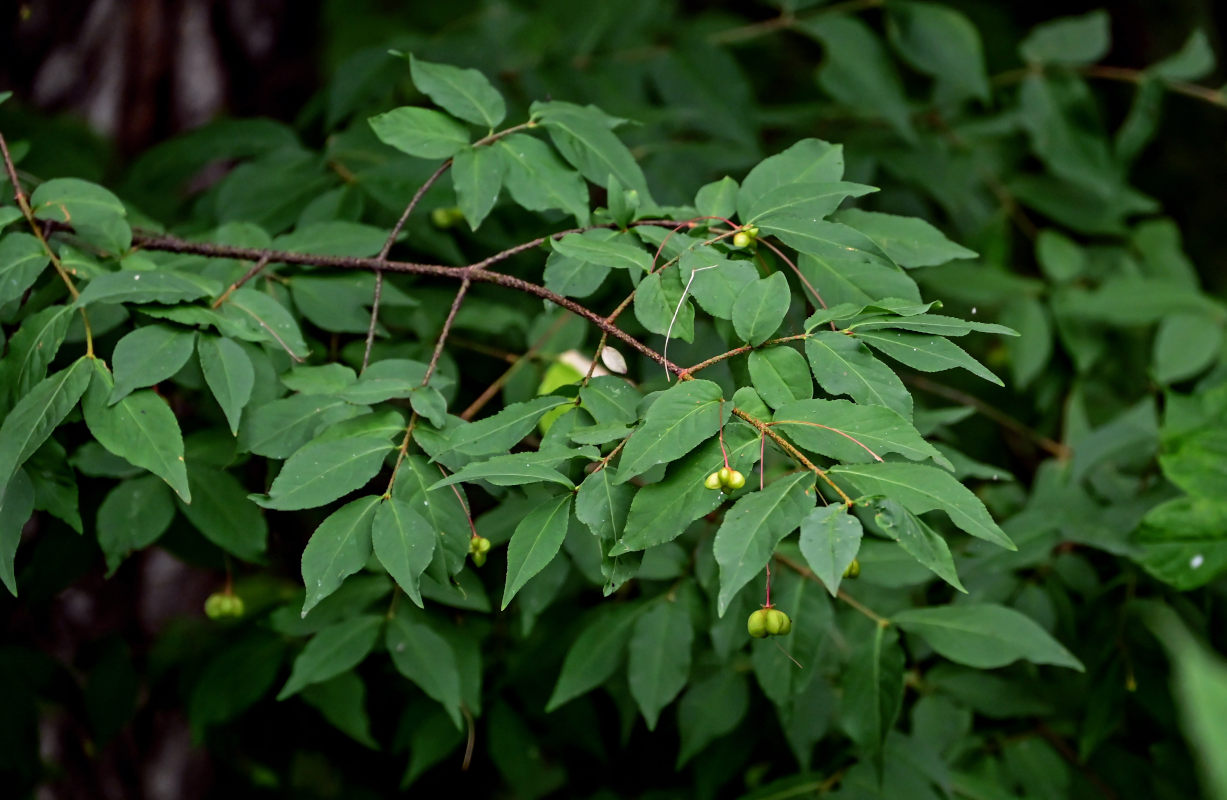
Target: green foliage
(964,535)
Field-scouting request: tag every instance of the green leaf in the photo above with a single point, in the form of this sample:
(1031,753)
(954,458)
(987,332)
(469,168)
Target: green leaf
(873,690)
(146,286)
(984,635)
(16,506)
(717,199)
(908,241)
(1071,41)
(760,309)
(596,653)
(464,93)
(659,660)
(280,427)
(781,375)
(661,511)
(230,375)
(97,215)
(830,539)
(925,353)
(338,548)
(857,71)
(420,132)
(582,135)
(682,417)
(132,516)
(8,214)
(404,543)
(477,175)
(342,701)
(337,302)
(442,508)
(939,41)
(933,323)
(852,433)
(1199,686)
(233,679)
(222,512)
(512,469)
(755,525)
(842,365)
(141,429)
(602,505)
(1182,541)
(661,307)
(812,200)
(610,400)
(387,379)
(37,414)
(32,348)
(716,283)
(322,471)
(334,237)
(22,260)
(266,320)
(425,658)
(537,180)
(338,648)
(499,432)
(808,161)
(917,540)
(1070,141)
(710,708)
(149,355)
(430,403)
(1194,61)
(1185,344)
(535,542)
(603,248)
(920,488)
(1031,352)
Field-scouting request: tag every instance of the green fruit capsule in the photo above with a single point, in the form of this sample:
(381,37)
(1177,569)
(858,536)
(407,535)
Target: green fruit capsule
(724,474)
(853,569)
(777,622)
(742,239)
(483,545)
(713,481)
(736,480)
(234,606)
(479,559)
(757,624)
(216,606)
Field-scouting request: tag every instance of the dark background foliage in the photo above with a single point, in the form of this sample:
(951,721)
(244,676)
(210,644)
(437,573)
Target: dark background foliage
(109,659)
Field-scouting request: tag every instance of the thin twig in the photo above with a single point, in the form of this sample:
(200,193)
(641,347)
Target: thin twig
(20,198)
(447,327)
(808,574)
(473,272)
(251,273)
(793,452)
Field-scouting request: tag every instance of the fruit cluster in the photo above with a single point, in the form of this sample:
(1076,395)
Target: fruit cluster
(726,480)
(768,621)
(746,236)
(479,546)
(223,605)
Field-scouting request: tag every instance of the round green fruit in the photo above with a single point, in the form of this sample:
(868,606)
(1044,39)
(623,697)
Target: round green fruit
(742,239)
(757,624)
(713,481)
(216,606)
(736,480)
(777,622)
(853,569)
